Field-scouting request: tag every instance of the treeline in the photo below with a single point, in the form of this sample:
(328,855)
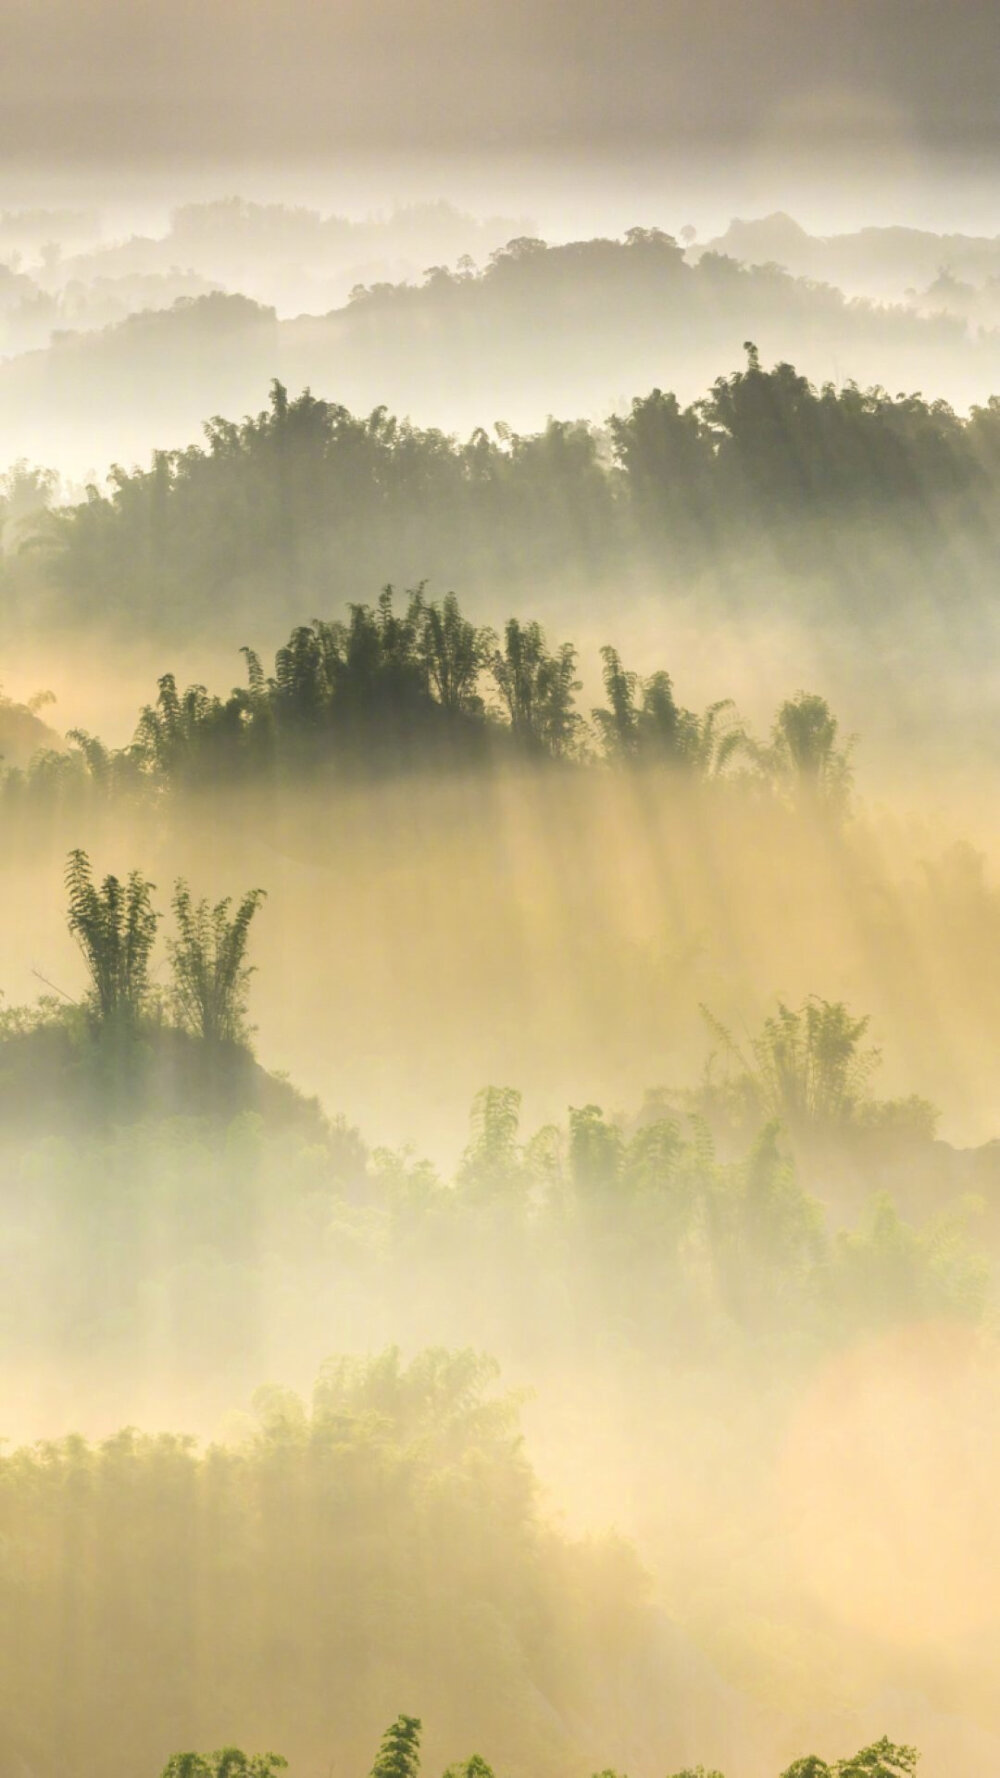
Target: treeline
(306,495)
(59,273)
(387,689)
(399,1757)
(753,1210)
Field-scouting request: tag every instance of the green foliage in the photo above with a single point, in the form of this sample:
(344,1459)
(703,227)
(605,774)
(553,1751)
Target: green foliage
(595,1151)
(804,758)
(454,653)
(373,685)
(492,1165)
(227,1762)
(305,494)
(22,732)
(399,1753)
(386,690)
(398,1757)
(537,689)
(741,1234)
(811,1068)
(208,960)
(806,1069)
(884,1759)
(889,1271)
(115,927)
(644,724)
(767,1239)
(239,1200)
(473,1767)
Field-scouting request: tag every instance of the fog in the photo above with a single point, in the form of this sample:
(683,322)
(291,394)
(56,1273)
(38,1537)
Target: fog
(457,319)
(741,1398)
(500,967)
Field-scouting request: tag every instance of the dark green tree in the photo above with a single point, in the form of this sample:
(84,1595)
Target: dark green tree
(883,1759)
(454,653)
(399,1752)
(644,723)
(227,1762)
(211,976)
(115,928)
(538,689)
(473,1767)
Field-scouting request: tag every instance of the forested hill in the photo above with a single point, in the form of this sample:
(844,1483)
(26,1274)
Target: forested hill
(886,262)
(306,502)
(572,328)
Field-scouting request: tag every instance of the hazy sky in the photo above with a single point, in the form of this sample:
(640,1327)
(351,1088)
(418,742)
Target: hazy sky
(147,80)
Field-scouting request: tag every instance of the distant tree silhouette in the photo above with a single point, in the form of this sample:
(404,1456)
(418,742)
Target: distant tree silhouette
(804,756)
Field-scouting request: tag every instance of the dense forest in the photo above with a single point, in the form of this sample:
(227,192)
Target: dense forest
(387,690)
(306,498)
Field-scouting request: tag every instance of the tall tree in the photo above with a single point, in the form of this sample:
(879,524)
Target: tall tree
(115,927)
(399,1753)
(538,689)
(208,960)
(454,653)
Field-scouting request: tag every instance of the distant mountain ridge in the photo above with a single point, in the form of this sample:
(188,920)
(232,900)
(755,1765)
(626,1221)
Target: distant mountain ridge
(572,329)
(881,262)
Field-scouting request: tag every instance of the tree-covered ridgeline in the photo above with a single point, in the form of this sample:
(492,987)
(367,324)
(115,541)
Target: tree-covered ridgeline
(736,1189)
(388,689)
(779,1202)
(305,497)
(399,1757)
